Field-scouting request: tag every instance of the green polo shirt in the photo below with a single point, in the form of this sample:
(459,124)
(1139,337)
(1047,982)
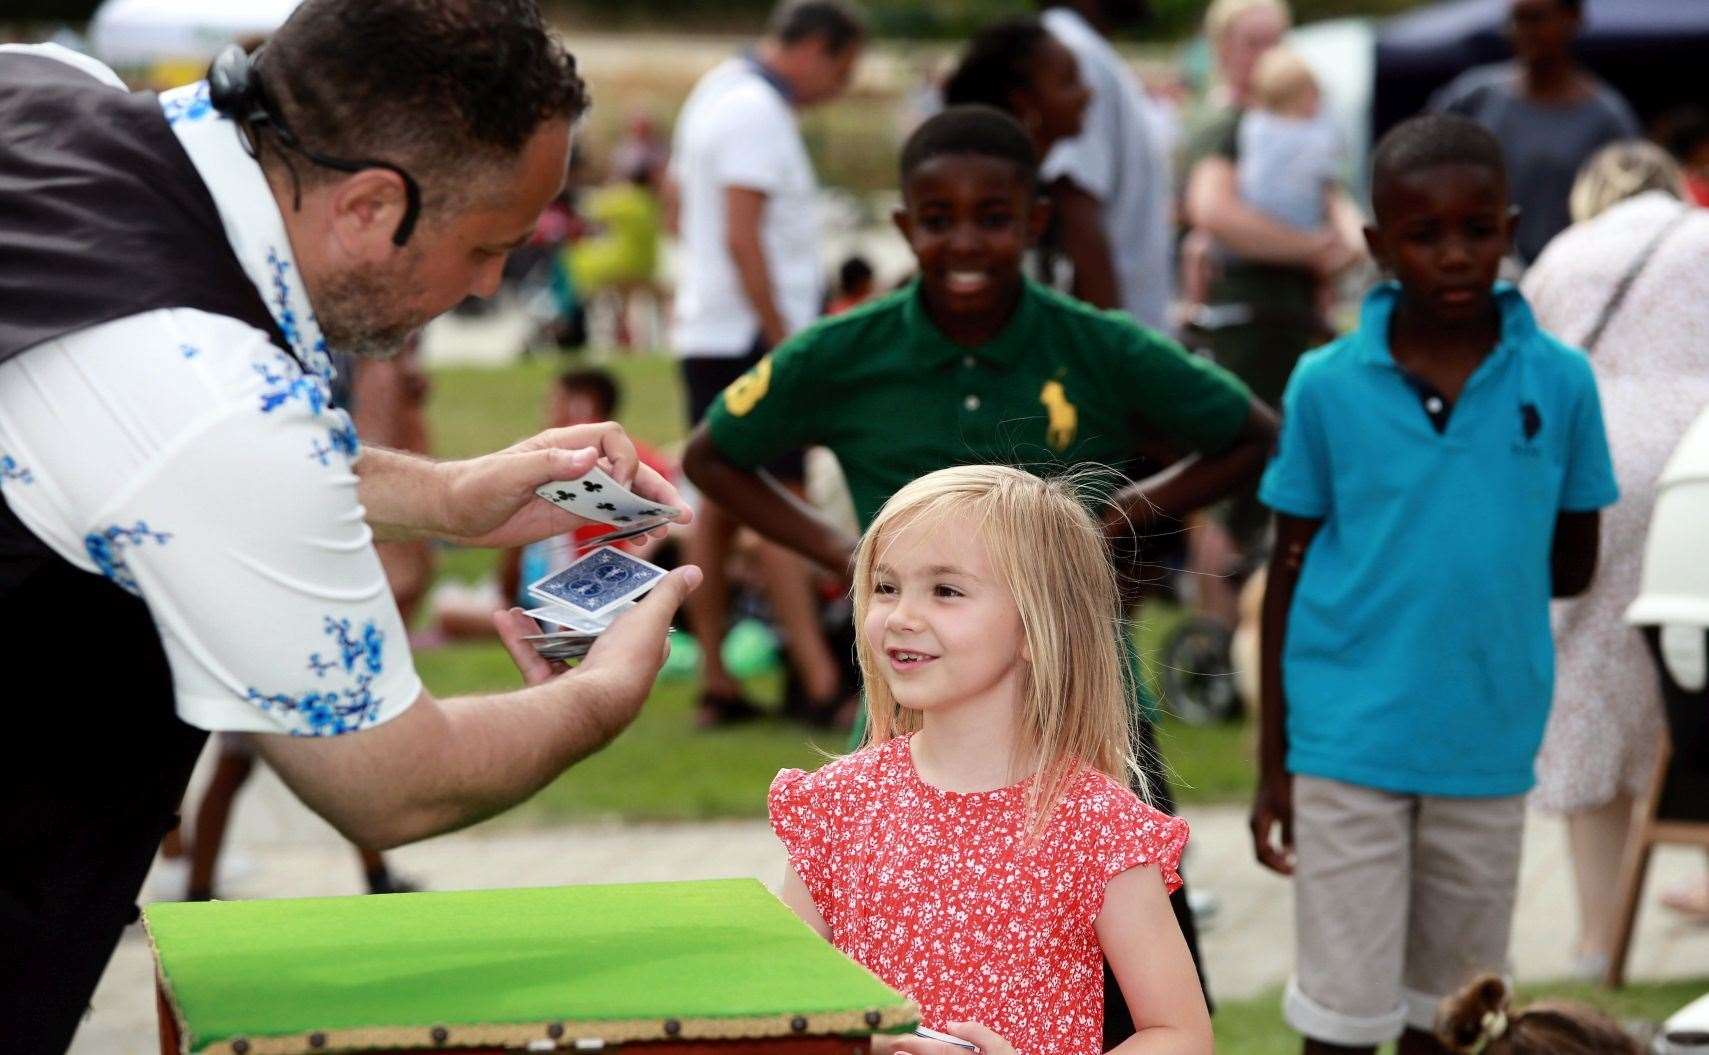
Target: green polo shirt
(894,399)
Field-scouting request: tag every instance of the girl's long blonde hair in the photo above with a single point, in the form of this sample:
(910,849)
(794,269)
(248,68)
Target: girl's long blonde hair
(1055,563)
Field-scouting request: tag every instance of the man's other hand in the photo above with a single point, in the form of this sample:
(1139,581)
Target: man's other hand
(490,501)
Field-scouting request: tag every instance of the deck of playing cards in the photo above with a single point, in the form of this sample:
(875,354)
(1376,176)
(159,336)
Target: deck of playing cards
(585,598)
(600,498)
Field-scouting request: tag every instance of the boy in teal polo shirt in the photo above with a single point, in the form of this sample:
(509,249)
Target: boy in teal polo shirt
(1436,483)
(971,363)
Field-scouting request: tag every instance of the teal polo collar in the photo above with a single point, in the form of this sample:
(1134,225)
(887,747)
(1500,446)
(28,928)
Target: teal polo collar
(933,349)
(1518,326)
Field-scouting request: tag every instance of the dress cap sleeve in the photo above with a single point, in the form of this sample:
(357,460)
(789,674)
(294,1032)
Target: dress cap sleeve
(802,822)
(1132,833)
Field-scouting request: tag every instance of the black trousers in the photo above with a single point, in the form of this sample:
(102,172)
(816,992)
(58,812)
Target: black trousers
(1118,1024)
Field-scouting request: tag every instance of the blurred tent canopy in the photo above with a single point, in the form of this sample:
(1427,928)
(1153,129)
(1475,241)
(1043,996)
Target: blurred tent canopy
(172,38)
(923,19)
(1652,51)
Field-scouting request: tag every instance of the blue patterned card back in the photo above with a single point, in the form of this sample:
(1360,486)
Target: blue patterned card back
(599,581)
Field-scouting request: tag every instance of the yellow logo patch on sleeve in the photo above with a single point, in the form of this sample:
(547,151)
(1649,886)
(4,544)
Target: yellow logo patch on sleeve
(1064,419)
(748,389)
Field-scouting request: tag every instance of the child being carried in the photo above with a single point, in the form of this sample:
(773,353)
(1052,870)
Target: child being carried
(1290,152)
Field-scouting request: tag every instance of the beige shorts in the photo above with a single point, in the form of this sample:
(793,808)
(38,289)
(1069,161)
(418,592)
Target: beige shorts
(1398,901)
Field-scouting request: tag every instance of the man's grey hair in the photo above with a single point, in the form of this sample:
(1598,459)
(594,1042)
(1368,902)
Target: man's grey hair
(835,23)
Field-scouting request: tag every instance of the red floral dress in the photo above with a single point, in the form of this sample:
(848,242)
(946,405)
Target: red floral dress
(936,893)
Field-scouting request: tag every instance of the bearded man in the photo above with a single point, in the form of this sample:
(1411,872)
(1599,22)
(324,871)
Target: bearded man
(187,526)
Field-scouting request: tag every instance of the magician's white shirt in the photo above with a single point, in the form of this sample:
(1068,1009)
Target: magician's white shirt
(193,463)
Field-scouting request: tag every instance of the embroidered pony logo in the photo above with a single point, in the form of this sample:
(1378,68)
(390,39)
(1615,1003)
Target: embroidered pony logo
(748,389)
(1530,421)
(1064,419)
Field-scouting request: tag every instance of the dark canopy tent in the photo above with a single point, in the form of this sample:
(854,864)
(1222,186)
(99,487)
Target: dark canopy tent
(1653,51)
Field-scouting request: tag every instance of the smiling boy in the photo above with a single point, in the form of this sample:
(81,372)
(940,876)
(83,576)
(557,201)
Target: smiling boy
(972,363)
(1438,479)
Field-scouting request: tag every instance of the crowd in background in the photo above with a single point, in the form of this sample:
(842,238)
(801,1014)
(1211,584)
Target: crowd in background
(1231,228)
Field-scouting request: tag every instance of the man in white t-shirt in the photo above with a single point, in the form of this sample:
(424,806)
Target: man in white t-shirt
(747,216)
(1111,183)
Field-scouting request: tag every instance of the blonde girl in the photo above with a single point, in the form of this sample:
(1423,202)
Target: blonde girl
(982,853)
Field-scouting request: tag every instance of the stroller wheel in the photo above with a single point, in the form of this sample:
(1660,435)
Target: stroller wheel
(1197,674)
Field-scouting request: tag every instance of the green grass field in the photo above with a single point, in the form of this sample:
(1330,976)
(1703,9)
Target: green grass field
(1255,1026)
(662,767)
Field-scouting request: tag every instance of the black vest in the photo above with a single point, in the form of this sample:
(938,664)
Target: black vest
(102,215)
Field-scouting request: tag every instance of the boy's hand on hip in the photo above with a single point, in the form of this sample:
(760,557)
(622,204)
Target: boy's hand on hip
(1272,809)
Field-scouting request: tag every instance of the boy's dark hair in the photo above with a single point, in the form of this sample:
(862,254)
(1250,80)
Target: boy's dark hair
(834,23)
(854,272)
(998,60)
(983,131)
(596,383)
(447,89)
(1430,140)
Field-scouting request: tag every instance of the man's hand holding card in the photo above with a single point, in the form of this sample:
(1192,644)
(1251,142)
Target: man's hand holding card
(599,497)
(489,501)
(584,599)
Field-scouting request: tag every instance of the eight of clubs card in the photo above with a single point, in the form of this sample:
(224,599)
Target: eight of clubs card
(600,498)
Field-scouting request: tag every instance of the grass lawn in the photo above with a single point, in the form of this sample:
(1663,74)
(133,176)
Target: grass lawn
(662,767)
(1255,1027)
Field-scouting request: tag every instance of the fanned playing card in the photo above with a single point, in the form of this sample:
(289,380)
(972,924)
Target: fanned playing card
(600,498)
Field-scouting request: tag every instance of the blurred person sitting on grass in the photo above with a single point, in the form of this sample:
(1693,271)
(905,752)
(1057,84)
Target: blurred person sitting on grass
(972,362)
(575,397)
(855,285)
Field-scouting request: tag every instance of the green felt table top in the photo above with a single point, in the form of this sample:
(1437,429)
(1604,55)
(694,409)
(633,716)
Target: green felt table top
(724,949)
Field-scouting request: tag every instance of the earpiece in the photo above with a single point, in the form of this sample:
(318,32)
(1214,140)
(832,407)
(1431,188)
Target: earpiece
(233,87)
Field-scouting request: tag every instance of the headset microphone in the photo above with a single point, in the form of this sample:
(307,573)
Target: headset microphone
(235,90)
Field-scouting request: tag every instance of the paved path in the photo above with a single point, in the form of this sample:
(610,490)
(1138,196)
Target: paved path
(280,850)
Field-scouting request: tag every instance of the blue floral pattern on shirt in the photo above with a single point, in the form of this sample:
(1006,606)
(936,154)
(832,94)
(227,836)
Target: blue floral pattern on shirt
(12,472)
(341,439)
(284,383)
(106,548)
(315,355)
(345,706)
(191,103)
